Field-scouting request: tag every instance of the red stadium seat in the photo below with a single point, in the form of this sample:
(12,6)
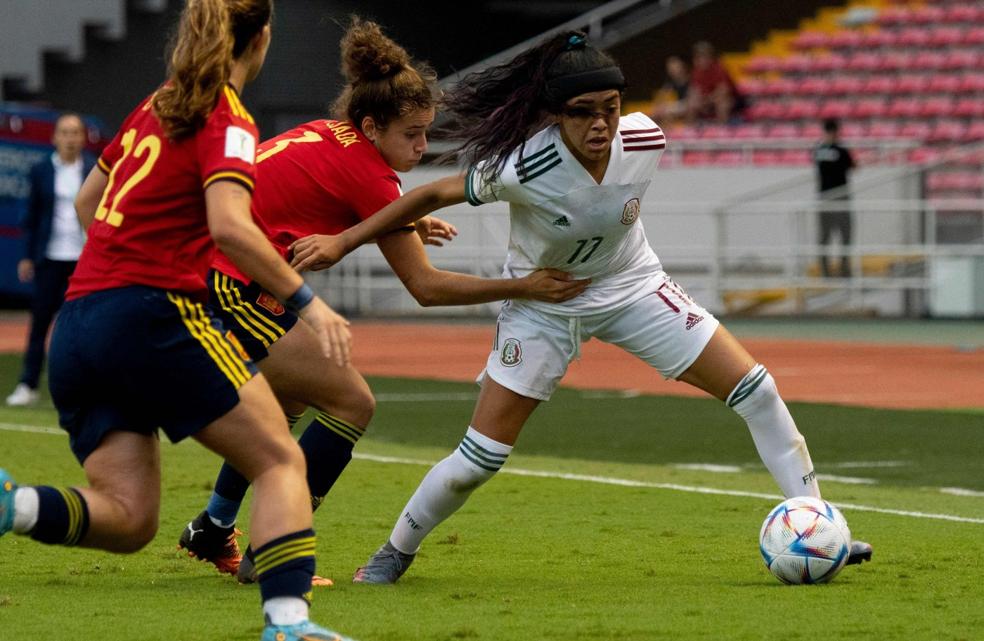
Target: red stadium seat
(697,157)
(853,129)
(913,37)
(928,60)
(864,61)
(944,36)
(969,108)
(829,62)
(785,130)
(893,16)
(801,109)
(751,87)
(846,84)
(947,131)
(911,83)
(812,130)
(797,63)
(943,83)
(960,59)
(972,82)
(781,86)
(921,155)
(879,84)
(811,40)
(836,108)
(927,14)
(813,86)
(973,36)
(729,158)
(714,131)
(762,64)
(895,61)
(845,39)
(936,107)
(915,129)
(975,132)
(877,39)
(766,157)
(685,132)
(796,157)
(748,131)
(883,129)
(870,108)
(963,13)
(765,110)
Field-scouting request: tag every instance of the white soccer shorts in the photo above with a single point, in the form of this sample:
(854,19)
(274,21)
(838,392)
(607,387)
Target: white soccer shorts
(664,327)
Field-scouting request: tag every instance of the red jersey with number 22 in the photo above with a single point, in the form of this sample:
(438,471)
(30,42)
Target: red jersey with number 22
(151,226)
(319,178)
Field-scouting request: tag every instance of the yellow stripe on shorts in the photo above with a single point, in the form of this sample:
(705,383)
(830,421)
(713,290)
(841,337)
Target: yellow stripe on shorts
(247,309)
(224,294)
(212,342)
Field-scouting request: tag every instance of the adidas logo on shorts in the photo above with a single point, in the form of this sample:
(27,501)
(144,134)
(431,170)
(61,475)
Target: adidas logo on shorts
(693,319)
(562,222)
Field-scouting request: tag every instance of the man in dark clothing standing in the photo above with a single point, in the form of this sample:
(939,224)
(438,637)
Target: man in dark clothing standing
(833,163)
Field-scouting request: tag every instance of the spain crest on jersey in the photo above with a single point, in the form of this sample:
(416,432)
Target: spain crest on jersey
(512,352)
(630,213)
(269,303)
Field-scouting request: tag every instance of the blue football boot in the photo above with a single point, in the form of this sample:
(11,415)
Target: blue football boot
(305,631)
(7,490)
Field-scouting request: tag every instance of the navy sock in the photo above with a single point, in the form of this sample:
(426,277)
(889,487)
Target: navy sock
(63,516)
(285,566)
(230,489)
(327,445)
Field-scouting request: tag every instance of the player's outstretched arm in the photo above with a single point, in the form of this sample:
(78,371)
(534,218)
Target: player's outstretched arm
(433,287)
(321,252)
(238,237)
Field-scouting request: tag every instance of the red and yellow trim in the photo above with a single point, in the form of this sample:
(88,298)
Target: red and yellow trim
(228,174)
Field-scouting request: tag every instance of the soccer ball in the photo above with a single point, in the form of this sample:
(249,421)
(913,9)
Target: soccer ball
(805,540)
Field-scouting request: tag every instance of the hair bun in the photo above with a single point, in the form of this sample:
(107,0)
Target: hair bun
(368,54)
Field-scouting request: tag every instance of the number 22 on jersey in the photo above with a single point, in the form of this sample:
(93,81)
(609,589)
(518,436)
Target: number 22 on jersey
(149,146)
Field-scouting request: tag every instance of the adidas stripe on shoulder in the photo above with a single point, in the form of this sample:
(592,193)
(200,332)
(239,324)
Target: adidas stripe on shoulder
(640,133)
(537,163)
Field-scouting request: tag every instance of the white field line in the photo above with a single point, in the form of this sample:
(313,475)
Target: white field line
(605,480)
(959,491)
(430,397)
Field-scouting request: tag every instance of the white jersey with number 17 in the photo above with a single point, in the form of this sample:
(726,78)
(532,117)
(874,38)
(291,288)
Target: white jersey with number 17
(560,217)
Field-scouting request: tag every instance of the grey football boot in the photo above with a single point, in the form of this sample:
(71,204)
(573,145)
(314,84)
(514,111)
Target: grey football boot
(385,566)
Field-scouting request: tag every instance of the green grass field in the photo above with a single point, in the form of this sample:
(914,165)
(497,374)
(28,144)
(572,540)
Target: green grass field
(599,531)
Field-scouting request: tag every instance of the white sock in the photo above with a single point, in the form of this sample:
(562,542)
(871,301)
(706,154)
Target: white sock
(25,510)
(779,444)
(286,610)
(446,488)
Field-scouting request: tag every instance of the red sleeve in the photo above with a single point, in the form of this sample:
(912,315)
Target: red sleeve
(111,153)
(227,143)
(372,194)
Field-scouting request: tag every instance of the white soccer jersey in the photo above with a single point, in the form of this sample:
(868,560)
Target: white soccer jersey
(561,218)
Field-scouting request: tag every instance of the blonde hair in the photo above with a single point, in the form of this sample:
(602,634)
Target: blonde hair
(210,36)
(383,82)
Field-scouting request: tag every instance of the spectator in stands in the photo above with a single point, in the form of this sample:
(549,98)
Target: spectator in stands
(833,162)
(671,100)
(54,241)
(713,94)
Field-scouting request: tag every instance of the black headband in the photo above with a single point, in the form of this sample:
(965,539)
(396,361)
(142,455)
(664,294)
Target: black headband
(563,88)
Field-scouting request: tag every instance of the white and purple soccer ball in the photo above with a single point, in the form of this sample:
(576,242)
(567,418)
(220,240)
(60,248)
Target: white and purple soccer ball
(805,540)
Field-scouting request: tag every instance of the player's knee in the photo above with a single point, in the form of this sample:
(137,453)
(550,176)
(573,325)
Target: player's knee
(466,475)
(754,389)
(139,530)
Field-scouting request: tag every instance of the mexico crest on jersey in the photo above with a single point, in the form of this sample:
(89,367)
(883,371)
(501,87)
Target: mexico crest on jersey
(630,212)
(512,352)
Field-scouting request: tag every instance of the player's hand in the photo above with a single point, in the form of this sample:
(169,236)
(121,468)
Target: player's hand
(432,230)
(553,285)
(25,270)
(316,252)
(332,330)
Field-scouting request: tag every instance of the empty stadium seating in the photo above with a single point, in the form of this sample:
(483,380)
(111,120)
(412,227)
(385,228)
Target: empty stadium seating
(913,72)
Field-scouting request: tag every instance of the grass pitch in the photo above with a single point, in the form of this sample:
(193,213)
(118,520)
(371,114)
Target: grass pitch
(616,538)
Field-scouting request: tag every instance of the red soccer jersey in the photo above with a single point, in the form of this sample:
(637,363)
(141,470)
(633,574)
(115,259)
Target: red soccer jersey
(151,227)
(319,178)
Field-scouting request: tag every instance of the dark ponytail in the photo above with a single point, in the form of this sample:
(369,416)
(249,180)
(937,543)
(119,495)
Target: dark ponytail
(494,111)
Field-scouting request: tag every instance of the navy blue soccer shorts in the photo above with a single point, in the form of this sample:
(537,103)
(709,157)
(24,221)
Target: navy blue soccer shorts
(250,314)
(137,359)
